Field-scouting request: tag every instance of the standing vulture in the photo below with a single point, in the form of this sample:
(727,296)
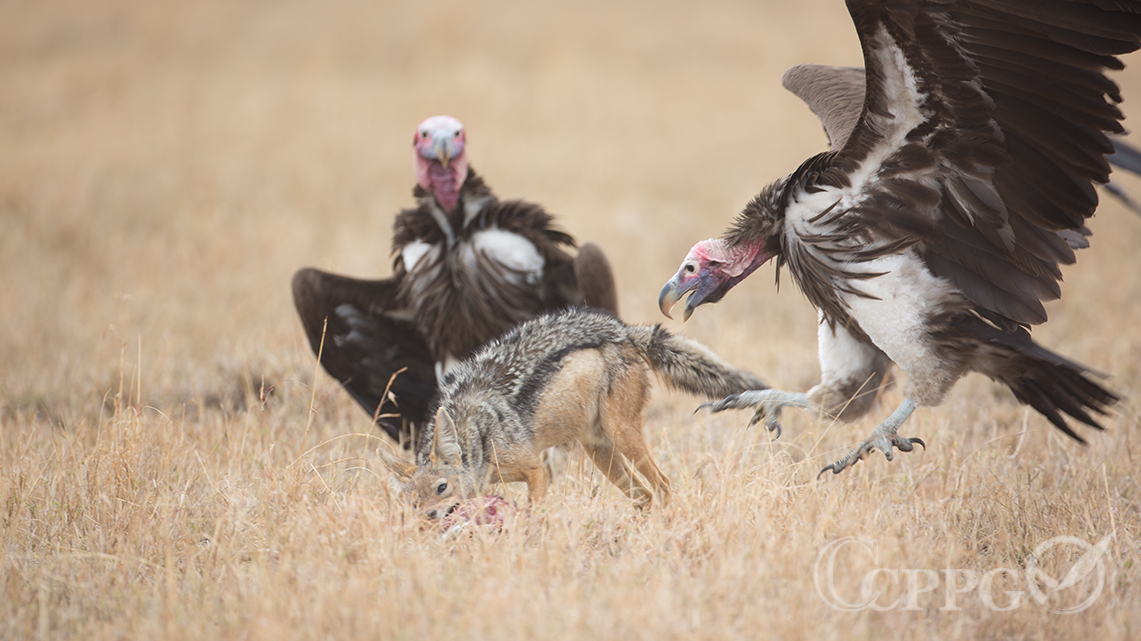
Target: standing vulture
(466,268)
(931,234)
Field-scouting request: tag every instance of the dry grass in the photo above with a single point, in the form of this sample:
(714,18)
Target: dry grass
(166,167)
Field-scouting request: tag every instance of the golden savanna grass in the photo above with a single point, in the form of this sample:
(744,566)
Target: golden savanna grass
(164,167)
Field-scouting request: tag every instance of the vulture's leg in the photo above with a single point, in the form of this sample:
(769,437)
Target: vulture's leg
(883,437)
(852,370)
(768,403)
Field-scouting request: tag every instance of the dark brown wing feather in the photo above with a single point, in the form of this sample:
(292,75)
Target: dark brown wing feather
(1015,109)
(836,96)
(364,345)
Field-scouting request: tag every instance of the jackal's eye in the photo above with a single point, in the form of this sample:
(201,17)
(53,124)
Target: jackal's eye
(441,487)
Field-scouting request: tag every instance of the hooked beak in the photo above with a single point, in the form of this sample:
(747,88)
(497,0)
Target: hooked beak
(677,287)
(443,151)
(707,279)
(669,297)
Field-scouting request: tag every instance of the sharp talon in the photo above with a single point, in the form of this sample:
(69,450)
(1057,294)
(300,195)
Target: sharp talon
(775,427)
(830,466)
(885,439)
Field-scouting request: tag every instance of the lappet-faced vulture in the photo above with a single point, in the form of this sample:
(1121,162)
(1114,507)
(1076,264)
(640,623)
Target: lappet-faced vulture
(933,231)
(467,267)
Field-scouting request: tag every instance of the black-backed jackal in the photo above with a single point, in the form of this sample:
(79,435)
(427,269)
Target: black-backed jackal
(574,375)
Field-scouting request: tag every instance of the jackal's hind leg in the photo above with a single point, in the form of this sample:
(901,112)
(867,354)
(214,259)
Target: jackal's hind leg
(768,403)
(615,467)
(632,445)
(883,438)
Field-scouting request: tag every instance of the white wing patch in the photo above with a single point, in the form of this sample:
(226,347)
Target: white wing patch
(905,105)
(413,252)
(508,249)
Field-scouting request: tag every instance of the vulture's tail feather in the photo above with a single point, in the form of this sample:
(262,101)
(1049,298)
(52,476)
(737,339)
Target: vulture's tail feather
(1051,384)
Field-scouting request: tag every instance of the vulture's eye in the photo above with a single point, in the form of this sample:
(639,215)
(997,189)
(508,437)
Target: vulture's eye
(690,268)
(441,487)
(424,134)
(459,132)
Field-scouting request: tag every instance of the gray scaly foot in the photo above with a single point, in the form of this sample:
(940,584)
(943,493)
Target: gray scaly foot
(882,438)
(768,403)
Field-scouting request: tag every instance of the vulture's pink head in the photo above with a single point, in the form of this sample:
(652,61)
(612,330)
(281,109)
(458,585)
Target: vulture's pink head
(709,271)
(441,164)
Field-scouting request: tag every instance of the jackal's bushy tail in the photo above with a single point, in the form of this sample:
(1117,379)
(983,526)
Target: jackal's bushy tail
(689,366)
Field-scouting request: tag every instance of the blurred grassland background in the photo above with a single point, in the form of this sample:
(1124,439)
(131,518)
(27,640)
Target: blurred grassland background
(164,167)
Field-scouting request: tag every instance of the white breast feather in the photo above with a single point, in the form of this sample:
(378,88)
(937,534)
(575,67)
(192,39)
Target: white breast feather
(413,252)
(908,295)
(445,366)
(807,205)
(508,249)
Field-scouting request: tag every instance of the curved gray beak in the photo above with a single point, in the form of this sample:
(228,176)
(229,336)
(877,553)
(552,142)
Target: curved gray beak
(672,292)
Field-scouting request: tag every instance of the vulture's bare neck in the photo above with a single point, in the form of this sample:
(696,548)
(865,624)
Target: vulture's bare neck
(473,196)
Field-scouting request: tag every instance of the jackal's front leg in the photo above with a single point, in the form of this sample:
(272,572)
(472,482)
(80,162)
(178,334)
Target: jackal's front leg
(537,479)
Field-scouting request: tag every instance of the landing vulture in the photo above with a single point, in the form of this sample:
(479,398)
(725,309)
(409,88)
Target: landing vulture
(931,234)
(466,268)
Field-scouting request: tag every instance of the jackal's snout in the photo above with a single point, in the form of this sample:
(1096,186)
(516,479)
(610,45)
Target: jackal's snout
(441,510)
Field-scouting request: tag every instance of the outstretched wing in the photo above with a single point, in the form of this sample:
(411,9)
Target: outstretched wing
(836,96)
(594,279)
(365,343)
(981,136)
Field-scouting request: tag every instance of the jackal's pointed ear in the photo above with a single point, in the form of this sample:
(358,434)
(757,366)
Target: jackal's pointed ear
(447,444)
(401,470)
